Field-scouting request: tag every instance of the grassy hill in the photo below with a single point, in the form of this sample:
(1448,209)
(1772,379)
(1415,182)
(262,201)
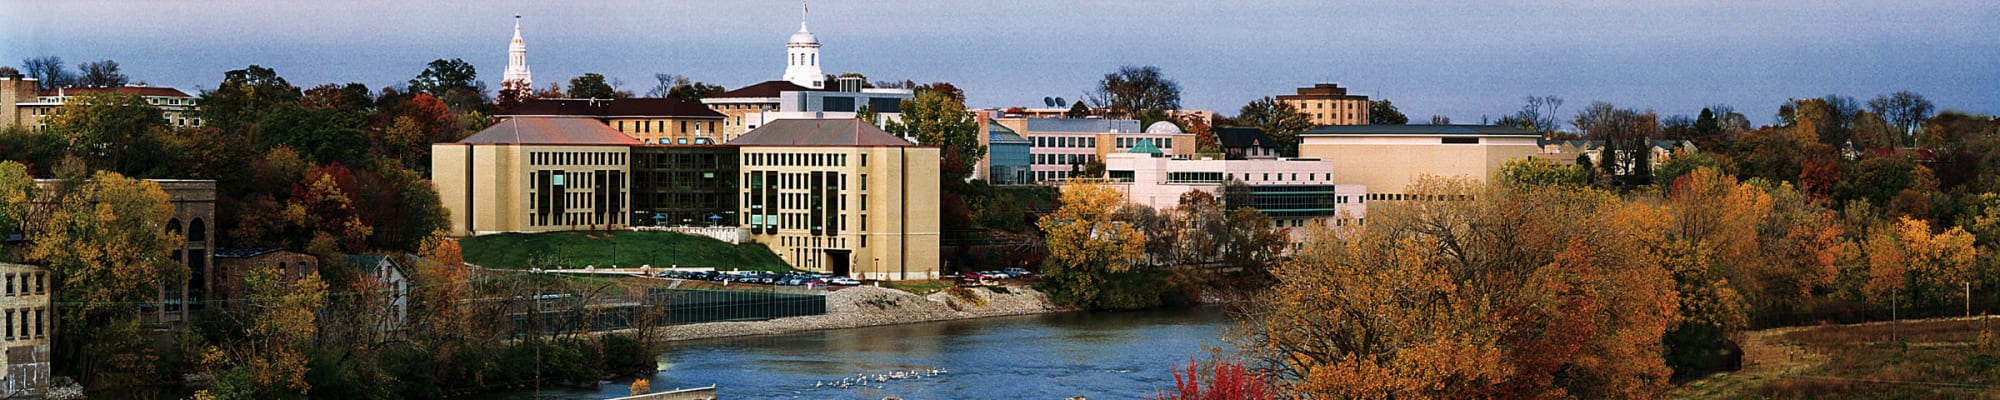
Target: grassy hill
(621,248)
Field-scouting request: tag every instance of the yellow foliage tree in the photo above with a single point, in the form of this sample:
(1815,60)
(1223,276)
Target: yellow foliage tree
(1088,247)
(1912,263)
(106,243)
(281,322)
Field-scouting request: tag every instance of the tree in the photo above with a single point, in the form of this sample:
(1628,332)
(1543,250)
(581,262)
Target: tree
(1910,265)
(442,75)
(279,317)
(1904,110)
(48,71)
(1382,112)
(1480,292)
(108,249)
(1132,89)
(1227,380)
(937,119)
(591,86)
(1539,115)
(324,203)
(352,97)
(17,189)
(7,72)
(108,128)
(1627,135)
(1089,250)
(244,98)
(101,74)
(1528,173)
(1077,110)
(680,87)
(1439,119)
(1281,121)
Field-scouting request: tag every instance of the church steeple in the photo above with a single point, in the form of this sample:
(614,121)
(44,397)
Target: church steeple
(517,59)
(802,58)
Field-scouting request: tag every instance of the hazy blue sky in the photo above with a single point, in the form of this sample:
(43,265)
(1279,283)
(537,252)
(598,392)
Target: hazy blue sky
(1462,59)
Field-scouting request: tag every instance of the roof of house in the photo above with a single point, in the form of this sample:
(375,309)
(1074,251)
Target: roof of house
(1237,137)
(764,89)
(550,131)
(369,262)
(1419,130)
(1091,125)
(148,91)
(632,107)
(819,132)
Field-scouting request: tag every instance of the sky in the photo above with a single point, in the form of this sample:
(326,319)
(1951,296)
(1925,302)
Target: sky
(1466,60)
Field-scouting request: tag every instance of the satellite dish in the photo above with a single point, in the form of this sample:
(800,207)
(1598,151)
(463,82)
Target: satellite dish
(1048,102)
(1061,103)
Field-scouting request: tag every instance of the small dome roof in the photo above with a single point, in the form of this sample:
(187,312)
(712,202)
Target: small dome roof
(1163,127)
(803,36)
(1146,147)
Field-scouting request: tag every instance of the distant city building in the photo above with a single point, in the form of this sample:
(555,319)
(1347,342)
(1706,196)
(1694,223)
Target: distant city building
(230,264)
(1329,104)
(802,94)
(1063,147)
(388,280)
(517,60)
(648,120)
(1205,116)
(535,174)
(29,327)
(21,104)
(1566,151)
(1008,159)
(1293,192)
(843,197)
(1241,143)
(1387,158)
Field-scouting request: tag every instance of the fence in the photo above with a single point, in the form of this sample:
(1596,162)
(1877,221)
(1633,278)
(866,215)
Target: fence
(685,306)
(1844,312)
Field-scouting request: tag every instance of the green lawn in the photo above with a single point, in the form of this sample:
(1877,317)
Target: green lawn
(631,249)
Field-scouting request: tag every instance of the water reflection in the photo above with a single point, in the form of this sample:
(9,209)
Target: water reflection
(1097,354)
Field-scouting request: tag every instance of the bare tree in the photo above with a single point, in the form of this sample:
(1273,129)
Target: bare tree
(101,74)
(1904,110)
(1132,89)
(48,70)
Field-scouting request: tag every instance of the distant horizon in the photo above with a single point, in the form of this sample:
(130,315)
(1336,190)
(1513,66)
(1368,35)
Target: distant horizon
(1466,60)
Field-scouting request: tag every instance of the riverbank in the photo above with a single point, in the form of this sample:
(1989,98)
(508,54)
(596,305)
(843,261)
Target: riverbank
(866,306)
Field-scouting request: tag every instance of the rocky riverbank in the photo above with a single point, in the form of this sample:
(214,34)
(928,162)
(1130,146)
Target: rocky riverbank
(856,307)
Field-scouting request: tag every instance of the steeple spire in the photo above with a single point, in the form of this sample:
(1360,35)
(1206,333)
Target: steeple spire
(517,59)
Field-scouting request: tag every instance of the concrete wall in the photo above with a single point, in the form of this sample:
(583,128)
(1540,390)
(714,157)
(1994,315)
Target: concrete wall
(890,221)
(487,188)
(27,330)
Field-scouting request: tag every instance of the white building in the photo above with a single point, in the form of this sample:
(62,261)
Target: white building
(802,59)
(517,60)
(1294,192)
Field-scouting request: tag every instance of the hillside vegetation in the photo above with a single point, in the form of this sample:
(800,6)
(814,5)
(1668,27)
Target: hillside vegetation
(620,248)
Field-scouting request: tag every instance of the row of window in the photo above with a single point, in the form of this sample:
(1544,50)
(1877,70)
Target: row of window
(799,159)
(19,284)
(798,180)
(699,140)
(575,158)
(1213,177)
(1400,196)
(1161,143)
(19,322)
(1065,141)
(1064,159)
(650,126)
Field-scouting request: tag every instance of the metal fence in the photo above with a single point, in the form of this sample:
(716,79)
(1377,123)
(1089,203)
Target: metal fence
(687,306)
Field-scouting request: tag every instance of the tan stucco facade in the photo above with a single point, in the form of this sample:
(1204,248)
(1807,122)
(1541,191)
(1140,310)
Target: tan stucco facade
(492,188)
(28,327)
(1387,164)
(670,130)
(886,209)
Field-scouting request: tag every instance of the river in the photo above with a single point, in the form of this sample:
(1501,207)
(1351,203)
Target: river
(1100,355)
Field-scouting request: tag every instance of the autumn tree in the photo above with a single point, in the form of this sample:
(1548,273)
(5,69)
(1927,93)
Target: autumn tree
(1383,112)
(279,317)
(107,246)
(454,81)
(322,204)
(1226,380)
(683,88)
(244,98)
(1479,292)
(1077,110)
(1091,254)
(1281,121)
(936,119)
(17,188)
(1909,265)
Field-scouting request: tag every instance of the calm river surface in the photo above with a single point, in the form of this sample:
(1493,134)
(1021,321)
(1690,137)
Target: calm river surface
(1101,355)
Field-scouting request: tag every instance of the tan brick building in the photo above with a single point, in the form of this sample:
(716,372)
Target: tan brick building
(1329,104)
(28,327)
(193,219)
(648,120)
(843,197)
(21,104)
(535,174)
(1387,158)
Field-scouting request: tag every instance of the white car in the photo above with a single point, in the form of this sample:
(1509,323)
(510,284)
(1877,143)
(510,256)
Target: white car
(844,281)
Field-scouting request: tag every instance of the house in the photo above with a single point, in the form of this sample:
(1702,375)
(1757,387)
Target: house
(383,270)
(231,263)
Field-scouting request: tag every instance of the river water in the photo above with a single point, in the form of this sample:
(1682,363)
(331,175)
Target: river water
(1100,355)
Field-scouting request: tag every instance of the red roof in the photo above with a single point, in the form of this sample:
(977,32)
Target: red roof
(1919,155)
(147,91)
(550,131)
(820,132)
(765,89)
(633,107)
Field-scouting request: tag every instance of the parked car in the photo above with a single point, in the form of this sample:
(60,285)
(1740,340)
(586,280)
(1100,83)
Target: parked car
(995,275)
(973,276)
(1017,272)
(844,281)
(812,282)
